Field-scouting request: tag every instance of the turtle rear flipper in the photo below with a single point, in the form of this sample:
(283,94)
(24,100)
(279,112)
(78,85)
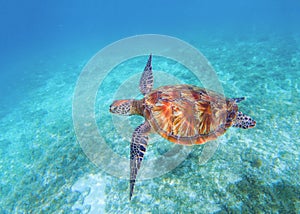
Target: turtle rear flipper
(239,99)
(208,151)
(243,121)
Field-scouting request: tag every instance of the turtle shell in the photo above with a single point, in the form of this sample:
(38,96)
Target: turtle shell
(188,115)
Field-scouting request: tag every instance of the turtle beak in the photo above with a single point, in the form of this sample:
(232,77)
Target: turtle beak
(112,108)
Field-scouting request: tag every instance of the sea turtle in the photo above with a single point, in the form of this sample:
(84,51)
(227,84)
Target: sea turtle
(183,114)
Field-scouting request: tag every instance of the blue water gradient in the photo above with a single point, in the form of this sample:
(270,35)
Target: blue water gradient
(254,46)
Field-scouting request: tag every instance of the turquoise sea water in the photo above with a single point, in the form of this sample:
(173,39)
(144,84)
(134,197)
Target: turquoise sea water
(255,51)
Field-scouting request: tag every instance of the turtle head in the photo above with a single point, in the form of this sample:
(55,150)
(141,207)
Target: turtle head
(124,107)
(243,121)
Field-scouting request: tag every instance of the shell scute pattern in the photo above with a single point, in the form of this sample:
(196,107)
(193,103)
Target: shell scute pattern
(186,114)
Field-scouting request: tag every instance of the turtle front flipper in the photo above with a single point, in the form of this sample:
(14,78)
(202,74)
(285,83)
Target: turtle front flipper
(243,121)
(137,150)
(146,81)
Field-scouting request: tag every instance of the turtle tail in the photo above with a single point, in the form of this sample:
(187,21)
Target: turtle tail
(243,121)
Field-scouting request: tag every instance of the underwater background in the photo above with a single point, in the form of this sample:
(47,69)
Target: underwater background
(254,48)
